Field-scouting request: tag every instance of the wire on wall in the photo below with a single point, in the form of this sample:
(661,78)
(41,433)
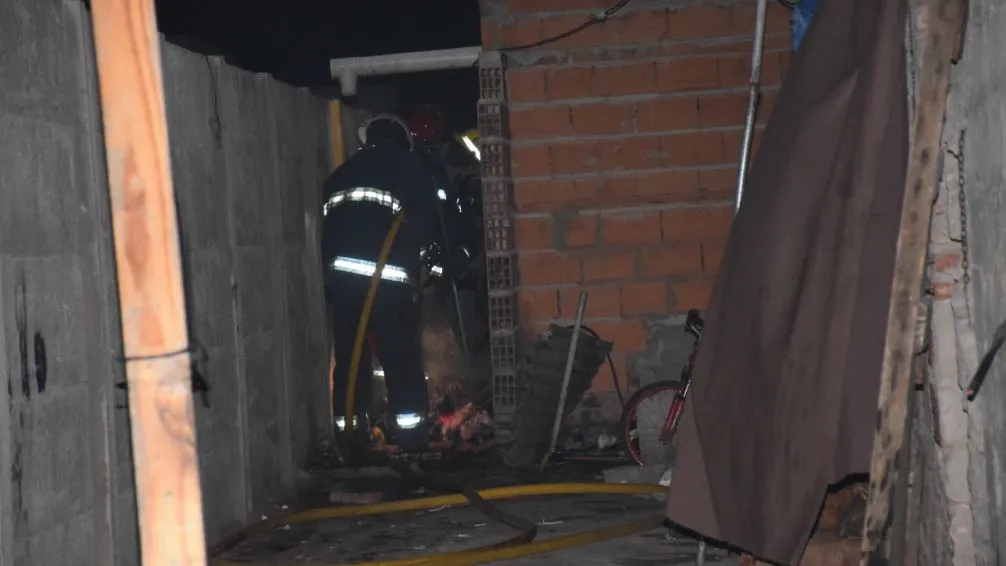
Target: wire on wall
(600,19)
(593,21)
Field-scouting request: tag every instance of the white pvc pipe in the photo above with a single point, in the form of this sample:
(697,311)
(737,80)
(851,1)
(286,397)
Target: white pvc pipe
(346,70)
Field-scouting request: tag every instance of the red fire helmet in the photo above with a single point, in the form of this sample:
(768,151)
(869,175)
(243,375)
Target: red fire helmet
(426,123)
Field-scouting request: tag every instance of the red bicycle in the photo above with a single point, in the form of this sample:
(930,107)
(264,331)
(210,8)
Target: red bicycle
(651,416)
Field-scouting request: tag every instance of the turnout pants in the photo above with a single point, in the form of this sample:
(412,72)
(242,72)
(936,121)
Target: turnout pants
(393,329)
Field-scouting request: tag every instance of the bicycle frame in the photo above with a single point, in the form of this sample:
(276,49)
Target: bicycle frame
(693,326)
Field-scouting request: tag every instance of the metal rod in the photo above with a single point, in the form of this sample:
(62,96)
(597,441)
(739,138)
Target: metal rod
(461,322)
(567,373)
(700,555)
(150,286)
(754,97)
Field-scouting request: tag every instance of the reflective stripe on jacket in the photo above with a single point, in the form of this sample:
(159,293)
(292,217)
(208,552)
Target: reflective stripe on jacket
(362,194)
(366,268)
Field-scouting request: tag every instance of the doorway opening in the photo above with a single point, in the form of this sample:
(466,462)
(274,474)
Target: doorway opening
(455,324)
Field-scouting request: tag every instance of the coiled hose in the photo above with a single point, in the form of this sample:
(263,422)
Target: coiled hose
(519,546)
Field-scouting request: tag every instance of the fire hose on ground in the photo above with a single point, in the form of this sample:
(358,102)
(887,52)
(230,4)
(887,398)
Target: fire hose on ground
(483,555)
(517,547)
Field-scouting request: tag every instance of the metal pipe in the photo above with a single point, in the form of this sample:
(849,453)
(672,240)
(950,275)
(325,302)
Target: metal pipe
(347,69)
(151,293)
(754,97)
(567,373)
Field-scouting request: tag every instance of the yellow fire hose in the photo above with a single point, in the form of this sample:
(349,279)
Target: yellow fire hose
(474,556)
(361,327)
(491,553)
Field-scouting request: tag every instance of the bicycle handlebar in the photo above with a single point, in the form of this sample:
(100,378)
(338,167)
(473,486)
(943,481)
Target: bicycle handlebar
(694,323)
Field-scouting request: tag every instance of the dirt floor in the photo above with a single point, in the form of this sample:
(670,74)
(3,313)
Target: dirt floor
(450,529)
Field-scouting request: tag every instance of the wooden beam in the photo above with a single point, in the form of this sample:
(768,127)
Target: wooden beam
(941,42)
(151,296)
(336,145)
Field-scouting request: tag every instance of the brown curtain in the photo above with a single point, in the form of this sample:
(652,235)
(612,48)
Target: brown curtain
(786,382)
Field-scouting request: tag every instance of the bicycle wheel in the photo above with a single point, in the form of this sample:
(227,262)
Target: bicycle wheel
(643,419)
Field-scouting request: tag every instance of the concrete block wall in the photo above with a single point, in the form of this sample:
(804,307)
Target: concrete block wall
(60,435)
(248,154)
(964,512)
(624,141)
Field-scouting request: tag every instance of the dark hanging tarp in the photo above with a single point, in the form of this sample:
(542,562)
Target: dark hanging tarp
(786,382)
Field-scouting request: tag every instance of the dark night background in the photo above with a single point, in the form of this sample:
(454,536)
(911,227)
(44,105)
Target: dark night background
(294,40)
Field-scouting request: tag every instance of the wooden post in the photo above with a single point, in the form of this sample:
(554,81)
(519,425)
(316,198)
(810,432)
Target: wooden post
(336,143)
(151,296)
(945,19)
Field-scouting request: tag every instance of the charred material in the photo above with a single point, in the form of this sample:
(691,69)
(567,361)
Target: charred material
(540,384)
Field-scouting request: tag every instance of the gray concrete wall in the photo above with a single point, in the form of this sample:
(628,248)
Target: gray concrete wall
(963,475)
(60,435)
(978,114)
(248,154)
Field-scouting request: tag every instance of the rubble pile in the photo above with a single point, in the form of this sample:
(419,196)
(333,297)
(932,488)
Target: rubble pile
(539,383)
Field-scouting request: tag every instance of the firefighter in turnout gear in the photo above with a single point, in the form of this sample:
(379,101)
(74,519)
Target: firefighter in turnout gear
(453,161)
(362,197)
(456,257)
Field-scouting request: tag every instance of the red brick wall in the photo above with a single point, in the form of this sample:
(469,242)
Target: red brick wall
(624,143)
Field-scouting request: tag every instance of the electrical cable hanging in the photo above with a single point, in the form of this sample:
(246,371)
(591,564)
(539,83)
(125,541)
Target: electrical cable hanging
(600,19)
(593,21)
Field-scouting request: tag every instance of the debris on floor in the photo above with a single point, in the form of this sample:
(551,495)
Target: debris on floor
(666,477)
(843,511)
(467,423)
(635,474)
(837,538)
(823,550)
(353,498)
(606,440)
(453,529)
(446,529)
